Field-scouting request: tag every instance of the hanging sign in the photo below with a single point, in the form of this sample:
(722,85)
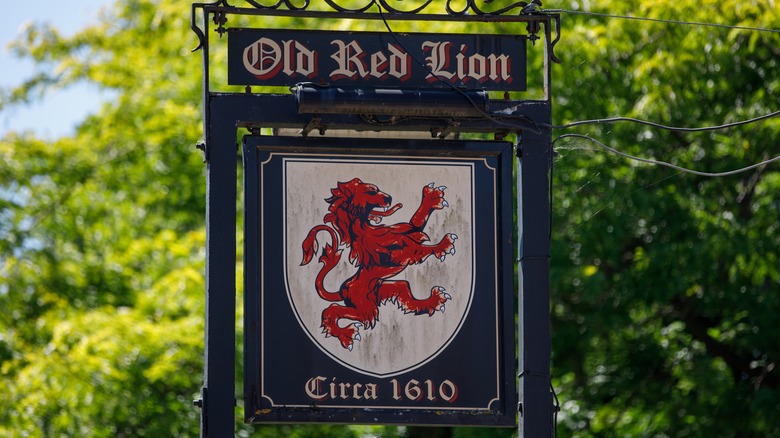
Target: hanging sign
(410,60)
(379,282)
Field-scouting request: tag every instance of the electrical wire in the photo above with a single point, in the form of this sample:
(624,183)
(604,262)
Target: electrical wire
(530,122)
(556,409)
(658,125)
(678,22)
(661,20)
(664,163)
(538,126)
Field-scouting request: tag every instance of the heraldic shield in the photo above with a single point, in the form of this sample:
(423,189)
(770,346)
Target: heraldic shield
(379,257)
(379,281)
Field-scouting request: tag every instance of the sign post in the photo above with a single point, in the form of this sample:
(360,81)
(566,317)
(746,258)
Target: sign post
(379,274)
(534,347)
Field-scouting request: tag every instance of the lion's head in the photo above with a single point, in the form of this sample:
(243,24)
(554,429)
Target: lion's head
(361,201)
(356,203)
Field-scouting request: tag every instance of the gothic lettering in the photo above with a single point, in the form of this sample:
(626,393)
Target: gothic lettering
(319,389)
(467,66)
(324,389)
(349,59)
(267,58)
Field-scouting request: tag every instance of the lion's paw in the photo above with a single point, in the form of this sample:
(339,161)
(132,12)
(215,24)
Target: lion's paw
(446,246)
(433,196)
(346,335)
(438,297)
(349,336)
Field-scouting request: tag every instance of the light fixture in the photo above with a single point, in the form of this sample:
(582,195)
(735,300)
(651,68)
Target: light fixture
(313,99)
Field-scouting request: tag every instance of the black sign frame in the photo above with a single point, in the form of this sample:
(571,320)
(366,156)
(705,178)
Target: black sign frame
(227,114)
(281,364)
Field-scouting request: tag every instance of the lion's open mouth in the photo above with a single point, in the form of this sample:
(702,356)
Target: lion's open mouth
(378,213)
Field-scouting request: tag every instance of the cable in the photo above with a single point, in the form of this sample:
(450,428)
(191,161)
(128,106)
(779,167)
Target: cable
(661,20)
(537,126)
(556,409)
(531,123)
(669,128)
(664,163)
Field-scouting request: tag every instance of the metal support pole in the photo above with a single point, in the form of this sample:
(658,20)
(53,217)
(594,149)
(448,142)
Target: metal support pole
(217,400)
(535,160)
(218,397)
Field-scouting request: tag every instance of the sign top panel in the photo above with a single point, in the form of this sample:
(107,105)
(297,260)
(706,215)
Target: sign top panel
(376,59)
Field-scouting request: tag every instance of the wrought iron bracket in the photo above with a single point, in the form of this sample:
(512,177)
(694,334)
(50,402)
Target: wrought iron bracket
(469,12)
(314,123)
(220,19)
(449,129)
(557,19)
(202,40)
(201,146)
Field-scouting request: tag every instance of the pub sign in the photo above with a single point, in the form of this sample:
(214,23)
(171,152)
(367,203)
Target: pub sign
(376,59)
(379,281)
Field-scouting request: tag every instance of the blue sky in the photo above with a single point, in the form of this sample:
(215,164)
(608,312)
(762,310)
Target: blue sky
(58,113)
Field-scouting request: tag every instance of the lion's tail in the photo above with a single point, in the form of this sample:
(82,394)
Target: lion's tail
(330,258)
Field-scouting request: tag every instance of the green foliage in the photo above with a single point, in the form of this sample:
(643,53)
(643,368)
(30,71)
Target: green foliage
(102,239)
(664,284)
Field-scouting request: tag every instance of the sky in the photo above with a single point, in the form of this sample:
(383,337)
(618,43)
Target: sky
(59,112)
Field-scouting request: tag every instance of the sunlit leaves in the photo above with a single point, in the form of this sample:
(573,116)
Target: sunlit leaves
(664,284)
(103,241)
(681,266)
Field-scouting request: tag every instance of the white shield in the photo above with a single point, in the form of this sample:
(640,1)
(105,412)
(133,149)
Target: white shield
(398,342)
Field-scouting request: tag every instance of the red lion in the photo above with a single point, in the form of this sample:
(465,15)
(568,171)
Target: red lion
(379,251)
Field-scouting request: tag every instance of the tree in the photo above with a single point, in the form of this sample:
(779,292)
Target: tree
(664,283)
(102,239)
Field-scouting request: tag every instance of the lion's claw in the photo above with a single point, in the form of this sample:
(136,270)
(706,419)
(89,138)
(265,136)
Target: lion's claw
(433,197)
(447,296)
(453,236)
(357,337)
(441,309)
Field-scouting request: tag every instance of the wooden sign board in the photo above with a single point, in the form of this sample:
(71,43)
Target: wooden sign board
(376,59)
(379,281)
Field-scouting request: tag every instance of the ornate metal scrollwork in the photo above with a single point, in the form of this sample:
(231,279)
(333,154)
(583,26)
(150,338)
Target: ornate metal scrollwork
(288,4)
(470,6)
(339,8)
(467,9)
(452,7)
